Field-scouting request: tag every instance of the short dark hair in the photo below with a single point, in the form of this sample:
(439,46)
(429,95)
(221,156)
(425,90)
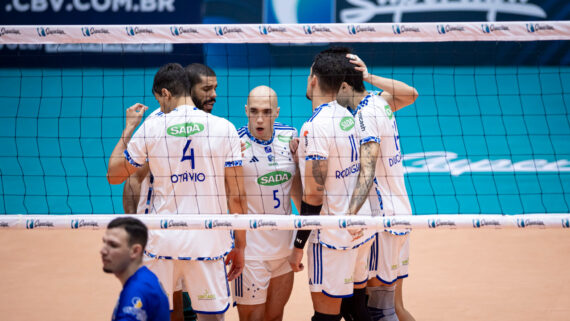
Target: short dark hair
(328,68)
(173,77)
(352,76)
(196,70)
(137,231)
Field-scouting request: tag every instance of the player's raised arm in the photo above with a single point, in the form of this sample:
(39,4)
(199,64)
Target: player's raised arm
(397,93)
(121,165)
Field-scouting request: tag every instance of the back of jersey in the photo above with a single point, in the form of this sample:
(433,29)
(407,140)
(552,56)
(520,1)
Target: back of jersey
(376,122)
(188,150)
(330,134)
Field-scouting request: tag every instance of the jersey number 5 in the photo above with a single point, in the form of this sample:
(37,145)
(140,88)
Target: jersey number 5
(188,157)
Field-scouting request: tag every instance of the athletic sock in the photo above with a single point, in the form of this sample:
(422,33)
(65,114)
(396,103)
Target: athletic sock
(354,308)
(381,303)
(189,314)
(325,317)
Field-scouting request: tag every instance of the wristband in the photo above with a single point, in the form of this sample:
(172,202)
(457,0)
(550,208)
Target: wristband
(303,235)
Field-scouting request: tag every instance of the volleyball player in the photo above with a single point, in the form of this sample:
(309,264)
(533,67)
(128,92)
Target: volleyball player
(328,162)
(272,179)
(192,155)
(380,184)
(142,296)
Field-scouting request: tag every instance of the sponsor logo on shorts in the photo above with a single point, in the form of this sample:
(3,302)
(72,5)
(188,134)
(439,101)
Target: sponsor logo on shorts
(355,29)
(255,224)
(342,223)
(406,262)
(178,31)
(522,223)
(75,224)
(477,223)
(206,296)
(185,129)
(437,223)
(300,223)
(400,29)
(565,223)
(393,222)
(348,280)
(32,224)
(165,224)
(210,224)
(6,31)
(346,123)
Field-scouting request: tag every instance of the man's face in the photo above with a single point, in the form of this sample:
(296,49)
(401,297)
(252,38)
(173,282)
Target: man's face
(261,117)
(116,252)
(204,93)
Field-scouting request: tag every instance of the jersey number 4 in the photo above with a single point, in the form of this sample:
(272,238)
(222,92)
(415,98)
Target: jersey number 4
(185,155)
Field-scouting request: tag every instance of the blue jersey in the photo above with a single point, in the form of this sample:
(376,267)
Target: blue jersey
(142,299)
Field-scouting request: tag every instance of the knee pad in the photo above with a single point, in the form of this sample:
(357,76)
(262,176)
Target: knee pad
(325,317)
(381,303)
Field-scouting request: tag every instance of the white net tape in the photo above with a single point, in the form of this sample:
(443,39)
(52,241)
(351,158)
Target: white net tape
(291,222)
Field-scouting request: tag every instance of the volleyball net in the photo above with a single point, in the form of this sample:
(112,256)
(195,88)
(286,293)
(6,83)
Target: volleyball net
(484,145)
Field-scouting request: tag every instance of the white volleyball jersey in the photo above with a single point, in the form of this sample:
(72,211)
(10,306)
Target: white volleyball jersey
(330,134)
(376,122)
(187,151)
(268,168)
(145,198)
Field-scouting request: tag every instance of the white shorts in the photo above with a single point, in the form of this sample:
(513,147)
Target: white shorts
(389,257)
(334,272)
(205,281)
(251,286)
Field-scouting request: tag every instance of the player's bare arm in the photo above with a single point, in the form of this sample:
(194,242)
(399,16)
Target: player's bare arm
(132,189)
(119,168)
(297,190)
(397,93)
(237,204)
(368,157)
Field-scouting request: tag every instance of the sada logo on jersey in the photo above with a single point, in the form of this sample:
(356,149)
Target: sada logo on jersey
(210,224)
(437,223)
(355,29)
(522,223)
(32,224)
(165,224)
(76,224)
(274,178)
(90,31)
(300,223)
(178,31)
(400,29)
(346,123)
(477,223)
(185,129)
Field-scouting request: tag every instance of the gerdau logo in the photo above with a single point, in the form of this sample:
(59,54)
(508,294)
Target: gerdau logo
(347,123)
(185,130)
(274,178)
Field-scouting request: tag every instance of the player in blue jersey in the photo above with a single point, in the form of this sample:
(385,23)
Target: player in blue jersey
(271,180)
(142,297)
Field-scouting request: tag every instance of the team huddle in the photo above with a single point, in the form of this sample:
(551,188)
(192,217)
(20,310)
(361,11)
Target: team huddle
(346,160)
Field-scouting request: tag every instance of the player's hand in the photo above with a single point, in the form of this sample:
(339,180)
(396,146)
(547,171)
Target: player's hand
(293,146)
(360,66)
(295,260)
(356,233)
(236,258)
(135,114)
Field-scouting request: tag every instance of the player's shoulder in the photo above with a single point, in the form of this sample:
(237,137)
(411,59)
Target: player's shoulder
(284,129)
(242,131)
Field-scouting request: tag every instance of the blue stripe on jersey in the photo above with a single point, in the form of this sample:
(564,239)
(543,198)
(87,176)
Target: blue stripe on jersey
(233,164)
(186,258)
(378,194)
(284,128)
(316,112)
(370,139)
(314,157)
(130,159)
(353,150)
(279,125)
